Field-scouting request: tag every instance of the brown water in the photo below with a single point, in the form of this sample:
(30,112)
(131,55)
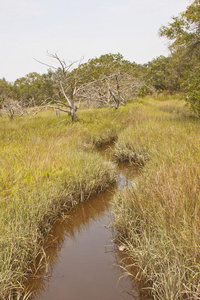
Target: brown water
(82,262)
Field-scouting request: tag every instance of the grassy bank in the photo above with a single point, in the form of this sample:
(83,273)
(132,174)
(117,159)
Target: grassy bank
(159,221)
(47,165)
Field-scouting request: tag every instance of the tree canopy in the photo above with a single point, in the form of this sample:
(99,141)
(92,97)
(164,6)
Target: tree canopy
(184,31)
(184,35)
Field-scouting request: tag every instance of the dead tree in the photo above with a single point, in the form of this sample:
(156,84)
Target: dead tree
(123,87)
(115,93)
(76,83)
(69,81)
(11,108)
(114,90)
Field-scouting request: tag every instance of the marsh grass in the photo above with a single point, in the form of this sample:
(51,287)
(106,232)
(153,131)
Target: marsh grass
(47,166)
(159,221)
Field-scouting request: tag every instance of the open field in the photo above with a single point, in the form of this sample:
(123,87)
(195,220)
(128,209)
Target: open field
(48,165)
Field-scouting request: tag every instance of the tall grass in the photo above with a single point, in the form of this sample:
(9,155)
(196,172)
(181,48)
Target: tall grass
(47,165)
(159,221)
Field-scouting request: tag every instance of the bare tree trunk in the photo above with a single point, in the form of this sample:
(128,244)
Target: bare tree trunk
(11,111)
(117,99)
(73,109)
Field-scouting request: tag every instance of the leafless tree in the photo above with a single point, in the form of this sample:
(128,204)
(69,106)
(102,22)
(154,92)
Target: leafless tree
(11,108)
(113,90)
(75,84)
(70,83)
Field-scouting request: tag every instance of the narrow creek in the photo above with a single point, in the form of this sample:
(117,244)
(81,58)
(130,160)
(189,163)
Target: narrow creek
(82,261)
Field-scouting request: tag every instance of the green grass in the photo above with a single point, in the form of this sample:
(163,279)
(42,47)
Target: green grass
(159,221)
(49,165)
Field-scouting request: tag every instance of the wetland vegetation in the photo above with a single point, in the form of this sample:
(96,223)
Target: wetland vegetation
(158,222)
(48,166)
(50,128)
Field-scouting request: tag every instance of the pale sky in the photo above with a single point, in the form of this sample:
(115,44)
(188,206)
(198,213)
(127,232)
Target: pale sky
(77,28)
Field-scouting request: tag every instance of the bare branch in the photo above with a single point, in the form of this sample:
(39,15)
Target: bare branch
(61,109)
(62,103)
(47,65)
(64,94)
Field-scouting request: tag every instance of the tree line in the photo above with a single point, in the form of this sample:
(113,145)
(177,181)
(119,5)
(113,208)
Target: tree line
(110,80)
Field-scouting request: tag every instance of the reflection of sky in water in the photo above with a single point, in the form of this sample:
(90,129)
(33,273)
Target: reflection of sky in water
(123,182)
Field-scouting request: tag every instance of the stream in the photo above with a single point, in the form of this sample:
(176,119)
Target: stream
(82,261)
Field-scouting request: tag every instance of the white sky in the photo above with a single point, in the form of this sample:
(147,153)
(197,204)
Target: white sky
(76,28)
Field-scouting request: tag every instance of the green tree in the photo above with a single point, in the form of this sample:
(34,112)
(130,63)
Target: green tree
(162,74)
(192,89)
(33,89)
(6,89)
(184,34)
(184,31)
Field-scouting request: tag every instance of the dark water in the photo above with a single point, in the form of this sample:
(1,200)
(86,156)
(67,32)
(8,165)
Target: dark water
(82,262)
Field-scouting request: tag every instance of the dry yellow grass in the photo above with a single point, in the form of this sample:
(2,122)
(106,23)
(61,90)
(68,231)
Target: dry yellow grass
(48,165)
(160,220)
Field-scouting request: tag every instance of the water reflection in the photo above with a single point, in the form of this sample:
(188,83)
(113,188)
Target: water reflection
(80,261)
(68,227)
(127,173)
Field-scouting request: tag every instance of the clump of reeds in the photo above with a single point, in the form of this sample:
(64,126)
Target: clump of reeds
(127,152)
